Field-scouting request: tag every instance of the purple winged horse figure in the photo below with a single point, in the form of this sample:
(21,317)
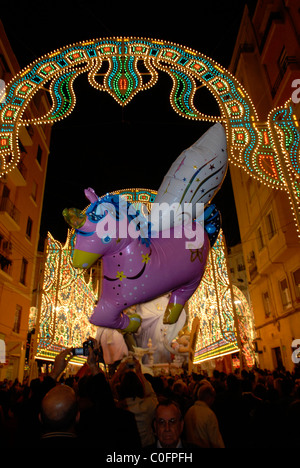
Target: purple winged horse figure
(145,258)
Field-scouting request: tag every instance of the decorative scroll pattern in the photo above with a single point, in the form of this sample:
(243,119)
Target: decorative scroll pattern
(268,151)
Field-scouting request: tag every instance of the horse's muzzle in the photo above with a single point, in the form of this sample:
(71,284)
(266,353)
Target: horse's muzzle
(82,259)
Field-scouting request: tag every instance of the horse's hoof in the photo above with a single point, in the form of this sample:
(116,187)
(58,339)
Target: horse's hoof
(172,313)
(134,324)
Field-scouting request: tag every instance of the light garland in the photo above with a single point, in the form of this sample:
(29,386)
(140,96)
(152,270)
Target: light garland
(267,151)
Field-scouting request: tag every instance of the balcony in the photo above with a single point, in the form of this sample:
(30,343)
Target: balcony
(26,135)
(18,175)
(9,215)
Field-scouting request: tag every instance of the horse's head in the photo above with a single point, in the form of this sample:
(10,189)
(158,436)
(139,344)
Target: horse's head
(101,229)
(85,252)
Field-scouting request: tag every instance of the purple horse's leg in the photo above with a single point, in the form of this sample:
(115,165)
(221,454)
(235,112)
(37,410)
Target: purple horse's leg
(177,301)
(106,315)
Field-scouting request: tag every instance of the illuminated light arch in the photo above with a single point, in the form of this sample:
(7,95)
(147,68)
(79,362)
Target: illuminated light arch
(268,151)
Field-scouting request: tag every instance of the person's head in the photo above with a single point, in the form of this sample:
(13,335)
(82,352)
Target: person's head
(205,392)
(59,410)
(168,423)
(180,388)
(130,386)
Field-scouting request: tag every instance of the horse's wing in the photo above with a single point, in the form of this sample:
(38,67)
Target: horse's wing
(194,178)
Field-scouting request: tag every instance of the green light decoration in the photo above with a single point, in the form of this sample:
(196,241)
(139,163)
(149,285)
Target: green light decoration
(268,151)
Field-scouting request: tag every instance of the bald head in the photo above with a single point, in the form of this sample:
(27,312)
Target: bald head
(205,392)
(59,409)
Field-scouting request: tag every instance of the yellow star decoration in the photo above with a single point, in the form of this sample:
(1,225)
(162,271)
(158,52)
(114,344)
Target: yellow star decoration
(120,275)
(146,258)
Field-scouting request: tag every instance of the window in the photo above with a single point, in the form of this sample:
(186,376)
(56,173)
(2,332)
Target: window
(29,228)
(6,246)
(250,184)
(5,264)
(260,239)
(285,293)
(6,192)
(266,303)
(282,58)
(5,253)
(23,270)
(252,265)
(39,155)
(277,358)
(296,278)
(34,190)
(17,321)
(270,225)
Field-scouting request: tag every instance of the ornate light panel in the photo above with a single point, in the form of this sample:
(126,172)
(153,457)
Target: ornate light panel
(226,320)
(124,66)
(67,301)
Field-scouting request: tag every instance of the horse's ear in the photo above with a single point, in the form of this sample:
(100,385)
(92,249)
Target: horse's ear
(91,195)
(74,217)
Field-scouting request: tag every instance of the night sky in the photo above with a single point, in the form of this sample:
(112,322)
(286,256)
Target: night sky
(101,144)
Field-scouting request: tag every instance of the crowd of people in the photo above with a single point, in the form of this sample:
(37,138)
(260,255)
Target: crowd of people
(131,410)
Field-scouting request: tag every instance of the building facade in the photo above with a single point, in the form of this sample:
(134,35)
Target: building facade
(21,200)
(266,60)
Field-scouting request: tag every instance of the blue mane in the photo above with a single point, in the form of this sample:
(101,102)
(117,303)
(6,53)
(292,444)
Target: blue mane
(212,219)
(115,201)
